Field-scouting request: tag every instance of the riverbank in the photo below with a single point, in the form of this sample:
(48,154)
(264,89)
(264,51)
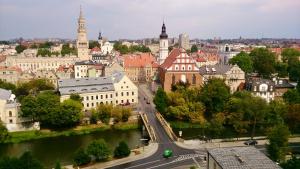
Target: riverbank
(17,137)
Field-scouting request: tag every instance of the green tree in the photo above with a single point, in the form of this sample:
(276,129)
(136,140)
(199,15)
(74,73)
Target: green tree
(243,60)
(27,161)
(81,157)
(43,52)
(30,108)
(9,163)
(57,165)
(263,61)
(276,113)
(93,44)
(46,45)
(214,94)
(216,126)
(291,163)
(99,149)
(126,113)
(3,133)
(294,70)
(278,142)
(76,97)
(290,54)
(20,48)
(292,96)
(104,112)
(281,69)
(67,50)
(7,86)
(161,100)
(292,118)
(122,150)
(194,48)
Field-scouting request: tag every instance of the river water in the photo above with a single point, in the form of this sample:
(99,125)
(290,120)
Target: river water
(50,150)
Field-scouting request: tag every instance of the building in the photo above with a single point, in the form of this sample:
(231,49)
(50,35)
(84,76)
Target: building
(239,158)
(116,89)
(179,66)
(184,41)
(263,88)
(163,45)
(113,68)
(88,69)
(64,72)
(232,74)
(10,74)
(82,42)
(140,67)
(47,74)
(34,64)
(282,86)
(203,58)
(9,113)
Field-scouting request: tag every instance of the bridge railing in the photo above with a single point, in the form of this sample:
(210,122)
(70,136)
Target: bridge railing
(167,127)
(149,128)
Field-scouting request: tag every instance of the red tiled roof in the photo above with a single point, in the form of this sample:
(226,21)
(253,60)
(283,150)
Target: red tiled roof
(2,58)
(11,68)
(201,59)
(171,58)
(139,60)
(96,49)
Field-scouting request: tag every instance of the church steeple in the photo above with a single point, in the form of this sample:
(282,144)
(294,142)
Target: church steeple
(100,36)
(163,34)
(82,41)
(163,44)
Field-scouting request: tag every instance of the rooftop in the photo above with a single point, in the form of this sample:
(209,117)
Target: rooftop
(215,69)
(242,158)
(139,60)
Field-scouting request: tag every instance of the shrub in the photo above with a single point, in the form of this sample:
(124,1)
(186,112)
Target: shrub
(122,150)
(81,157)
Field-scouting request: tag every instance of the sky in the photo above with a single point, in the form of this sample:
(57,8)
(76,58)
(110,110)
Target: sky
(135,19)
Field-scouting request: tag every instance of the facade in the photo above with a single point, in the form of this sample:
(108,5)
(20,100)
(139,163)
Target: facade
(113,68)
(10,74)
(282,86)
(64,72)
(263,88)
(116,89)
(205,58)
(232,74)
(9,113)
(88,69)
(140,67)
(82,42)
(46,74)
(163,45)
(184,41)
(34,64)
(239,158)
(179,66)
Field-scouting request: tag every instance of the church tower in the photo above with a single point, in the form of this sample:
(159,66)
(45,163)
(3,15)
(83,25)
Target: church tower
(100,40)
(163,45)
(82,42)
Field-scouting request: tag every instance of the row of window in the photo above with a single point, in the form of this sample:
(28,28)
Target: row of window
(107,102)
(106,96)
(194,79)
(183,67)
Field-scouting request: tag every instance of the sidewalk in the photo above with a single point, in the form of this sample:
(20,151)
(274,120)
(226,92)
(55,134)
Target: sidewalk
(148,151)
(215,143)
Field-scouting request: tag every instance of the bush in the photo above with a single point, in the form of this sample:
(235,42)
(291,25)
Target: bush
(81,157)
(99,149)
(122,150)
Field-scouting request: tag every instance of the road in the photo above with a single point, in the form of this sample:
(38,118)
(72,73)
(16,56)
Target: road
(180,156)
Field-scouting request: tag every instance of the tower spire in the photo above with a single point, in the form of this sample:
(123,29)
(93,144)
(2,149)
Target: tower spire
(80,15)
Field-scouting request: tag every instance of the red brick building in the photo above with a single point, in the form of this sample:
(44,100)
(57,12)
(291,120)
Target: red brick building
(179,66)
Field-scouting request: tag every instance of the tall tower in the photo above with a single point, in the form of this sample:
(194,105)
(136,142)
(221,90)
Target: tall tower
(82,42)
(100,40)
(163,45)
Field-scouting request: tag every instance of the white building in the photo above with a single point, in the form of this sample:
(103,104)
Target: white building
(115,89)
(88,69)
(184,41)
(9,112)
(263,88)
(163,45)
(107,48)
(30,52)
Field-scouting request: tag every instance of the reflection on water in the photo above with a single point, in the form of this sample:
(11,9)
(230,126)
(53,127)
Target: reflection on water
(50,150)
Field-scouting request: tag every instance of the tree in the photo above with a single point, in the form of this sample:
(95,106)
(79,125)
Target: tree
(43,52)
(278,142)
(292,117)
(294,70)
(27,161)
(7,86)
(122,150)
(20,48)
(263,61)
(104,112)
(57,165)
(291,163)
(126,113)
(243,60)
(194,48)
(289,54)
(3,133)
(99,149)
(9,163)
(276,113)
(281,69)
(29,108)
(214,94)
(93,44)
(67,50)
(161,100)
(217,124)
(81,157)
(292,96)
(46,45)
(76,97)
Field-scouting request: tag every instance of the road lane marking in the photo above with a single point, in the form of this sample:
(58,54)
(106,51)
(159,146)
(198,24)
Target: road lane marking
(143,164)
(196,163)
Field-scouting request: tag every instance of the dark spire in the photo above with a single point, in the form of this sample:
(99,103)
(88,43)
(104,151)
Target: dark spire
(163,34)
(100,36)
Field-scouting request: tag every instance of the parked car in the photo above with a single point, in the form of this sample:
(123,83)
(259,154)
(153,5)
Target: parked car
(250,142)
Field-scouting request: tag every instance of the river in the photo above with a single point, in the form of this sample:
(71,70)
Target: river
(50,150)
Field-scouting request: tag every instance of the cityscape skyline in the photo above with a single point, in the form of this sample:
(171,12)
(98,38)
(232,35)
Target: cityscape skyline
(229,19)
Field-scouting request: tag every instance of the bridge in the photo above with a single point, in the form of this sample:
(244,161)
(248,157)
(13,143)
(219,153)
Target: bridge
(161,133)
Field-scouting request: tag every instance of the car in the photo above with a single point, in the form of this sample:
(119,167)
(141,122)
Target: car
(167,153)
(250,142)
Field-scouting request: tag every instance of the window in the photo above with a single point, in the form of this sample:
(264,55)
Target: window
(87,105)
(132,93)
(127,93)
(110,95)
(106,96)
(10,121)
(87,97)
(173,79)
(10,114)
(101,96)
(183,67)
(117,94)
(92,104)
(122,101)
(96,97)
(121,87)
(92,97)
(132,100)
(116,101)
(121,93)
